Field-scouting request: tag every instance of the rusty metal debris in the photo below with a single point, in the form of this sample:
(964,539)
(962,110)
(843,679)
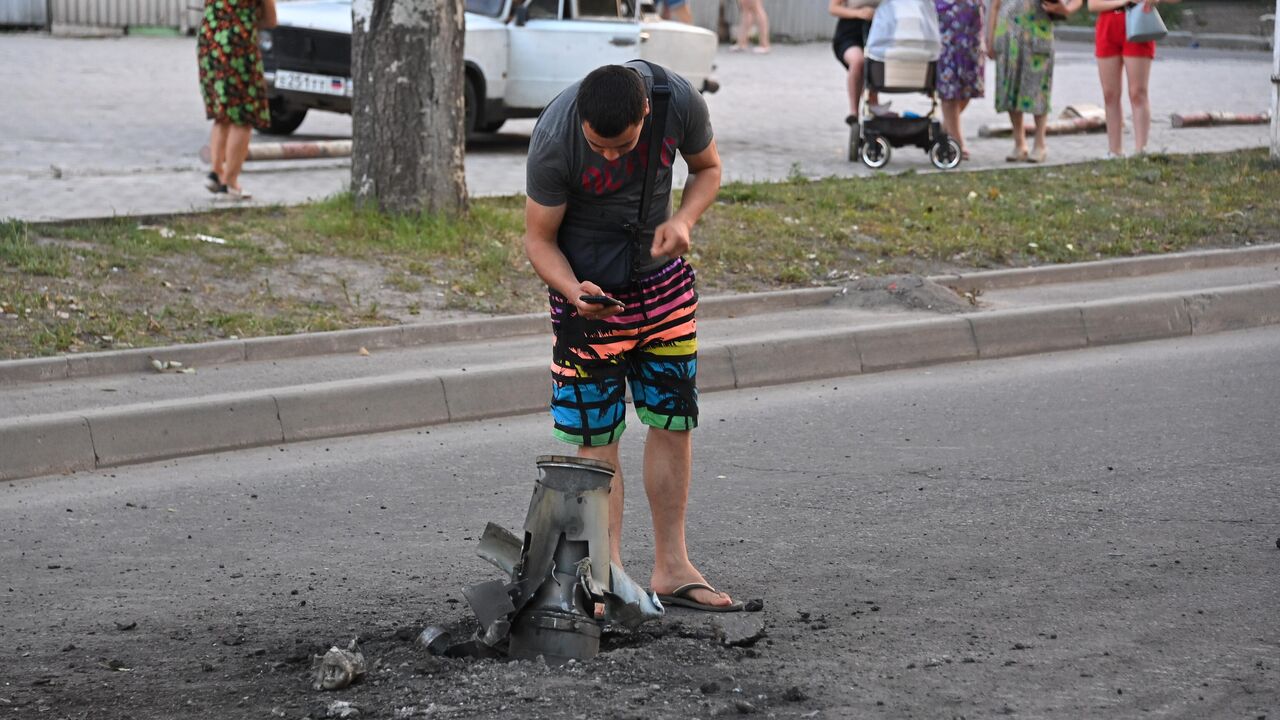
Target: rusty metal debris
(338,668)
(560,586)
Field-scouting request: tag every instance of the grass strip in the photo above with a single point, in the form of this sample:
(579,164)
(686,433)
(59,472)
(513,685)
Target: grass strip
(82,286)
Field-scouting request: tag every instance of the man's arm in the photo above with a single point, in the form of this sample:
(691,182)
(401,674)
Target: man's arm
(671,239)
(541,225)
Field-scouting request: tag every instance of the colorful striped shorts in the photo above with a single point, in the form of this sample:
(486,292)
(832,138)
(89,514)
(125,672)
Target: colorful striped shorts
(652,345)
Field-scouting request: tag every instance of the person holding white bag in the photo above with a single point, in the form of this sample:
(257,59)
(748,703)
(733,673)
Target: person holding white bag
(1119,60)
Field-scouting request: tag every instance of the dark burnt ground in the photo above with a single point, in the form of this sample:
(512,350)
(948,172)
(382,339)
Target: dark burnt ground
(678,667)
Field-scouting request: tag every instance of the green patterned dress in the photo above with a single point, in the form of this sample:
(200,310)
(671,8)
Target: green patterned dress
(1024,57)
(231,75)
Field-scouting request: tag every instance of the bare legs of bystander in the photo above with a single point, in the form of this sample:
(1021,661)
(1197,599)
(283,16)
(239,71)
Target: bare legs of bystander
(854,58)
(1114,72)
(751,12)
(228,148)
(1038,153)
(951,110)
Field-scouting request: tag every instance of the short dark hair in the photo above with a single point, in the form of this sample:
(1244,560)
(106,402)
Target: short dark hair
(611,99)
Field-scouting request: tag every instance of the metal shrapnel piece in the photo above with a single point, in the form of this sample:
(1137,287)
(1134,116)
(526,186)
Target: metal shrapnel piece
(627,603)
(435,639)
(493,608)
(500,547)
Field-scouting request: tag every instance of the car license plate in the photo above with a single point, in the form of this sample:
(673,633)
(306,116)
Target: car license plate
(307,82)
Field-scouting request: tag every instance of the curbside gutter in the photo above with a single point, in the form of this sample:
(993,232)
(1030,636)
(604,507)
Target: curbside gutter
(153,431)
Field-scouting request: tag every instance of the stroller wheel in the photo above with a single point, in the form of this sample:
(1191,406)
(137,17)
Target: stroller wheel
(945,155)
(875,153)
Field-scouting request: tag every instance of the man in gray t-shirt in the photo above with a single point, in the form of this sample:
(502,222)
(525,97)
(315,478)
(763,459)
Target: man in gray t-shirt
(621,315)
(600,188)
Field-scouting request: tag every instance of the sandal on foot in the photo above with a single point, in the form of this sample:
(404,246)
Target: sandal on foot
(1017,156)
(680,598)
(1038,156)
(213,184)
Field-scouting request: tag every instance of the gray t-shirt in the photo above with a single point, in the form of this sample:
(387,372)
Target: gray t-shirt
(562,168)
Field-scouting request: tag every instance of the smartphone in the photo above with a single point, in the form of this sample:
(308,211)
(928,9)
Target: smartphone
(601,300)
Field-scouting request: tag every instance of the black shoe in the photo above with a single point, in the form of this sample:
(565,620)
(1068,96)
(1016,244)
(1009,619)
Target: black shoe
(849,120)
(213,184)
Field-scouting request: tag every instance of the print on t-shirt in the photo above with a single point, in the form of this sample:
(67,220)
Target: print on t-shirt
(613,174)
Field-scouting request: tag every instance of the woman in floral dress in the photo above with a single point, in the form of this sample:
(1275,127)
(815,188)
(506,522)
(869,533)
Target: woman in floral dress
(961,67)
(232,83)
(1020,40)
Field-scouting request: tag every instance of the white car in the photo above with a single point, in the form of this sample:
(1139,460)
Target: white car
(518,55)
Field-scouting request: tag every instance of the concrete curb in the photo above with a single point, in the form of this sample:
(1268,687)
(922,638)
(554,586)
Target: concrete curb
(282,347)
(62,367)
(153,431)
(1094,270)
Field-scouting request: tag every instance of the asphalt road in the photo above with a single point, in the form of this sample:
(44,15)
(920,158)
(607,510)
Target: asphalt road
(1085,534)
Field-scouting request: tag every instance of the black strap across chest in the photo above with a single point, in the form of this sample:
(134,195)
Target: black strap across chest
(659,100)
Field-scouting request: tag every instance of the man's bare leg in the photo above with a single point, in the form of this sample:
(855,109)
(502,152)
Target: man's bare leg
(668,466)
(609,453)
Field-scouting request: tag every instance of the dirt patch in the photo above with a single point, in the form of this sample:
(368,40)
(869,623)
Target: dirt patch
(912,292)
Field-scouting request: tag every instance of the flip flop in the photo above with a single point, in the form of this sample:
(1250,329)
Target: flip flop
(680,598)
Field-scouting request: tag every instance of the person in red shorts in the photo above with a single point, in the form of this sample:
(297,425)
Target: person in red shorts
(1120,60)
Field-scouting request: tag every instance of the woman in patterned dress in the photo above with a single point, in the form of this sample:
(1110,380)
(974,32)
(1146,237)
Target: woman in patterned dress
(1020,40)
(232,83)
(961,67)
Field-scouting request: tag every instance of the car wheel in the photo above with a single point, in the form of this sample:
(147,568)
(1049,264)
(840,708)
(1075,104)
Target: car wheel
(493,126)
(469,107)
(285,118)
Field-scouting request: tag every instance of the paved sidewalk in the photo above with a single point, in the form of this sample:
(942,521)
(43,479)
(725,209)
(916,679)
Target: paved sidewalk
(86,134)
(90,419)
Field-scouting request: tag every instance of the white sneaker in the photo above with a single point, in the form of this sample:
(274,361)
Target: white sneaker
(1113,156)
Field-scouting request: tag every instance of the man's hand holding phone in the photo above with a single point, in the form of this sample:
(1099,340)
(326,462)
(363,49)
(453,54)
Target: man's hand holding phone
(593,303)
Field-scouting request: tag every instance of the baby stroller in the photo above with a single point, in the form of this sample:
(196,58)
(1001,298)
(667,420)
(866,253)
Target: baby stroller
(902,52)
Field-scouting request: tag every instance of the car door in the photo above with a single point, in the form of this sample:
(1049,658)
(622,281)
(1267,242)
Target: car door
(562,41)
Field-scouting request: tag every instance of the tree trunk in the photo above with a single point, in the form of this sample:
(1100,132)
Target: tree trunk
(407,112)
